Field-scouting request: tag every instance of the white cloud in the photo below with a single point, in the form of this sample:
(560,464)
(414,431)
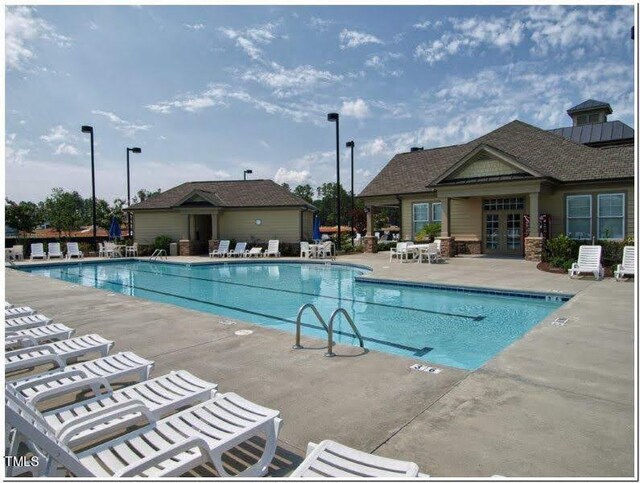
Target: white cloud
(195,27)
(379,62)
(22,29)
(65,148)
(265,144)
(319,24)
(374,147)
(291,81)
(127,128)
(358,109)
(291,176)
(351,38)
(422,25)
(56,133)
(93,26)
(248,39)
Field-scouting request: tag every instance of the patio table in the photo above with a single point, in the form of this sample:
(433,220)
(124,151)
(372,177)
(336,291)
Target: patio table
(315,250)
(416,250)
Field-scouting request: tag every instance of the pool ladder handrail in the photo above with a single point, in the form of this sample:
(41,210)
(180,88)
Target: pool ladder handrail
(157,254)
(328,328)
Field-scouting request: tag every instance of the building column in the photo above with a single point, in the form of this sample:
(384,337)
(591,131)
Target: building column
(370,241)
(533,244)
(444,225)
(214,226)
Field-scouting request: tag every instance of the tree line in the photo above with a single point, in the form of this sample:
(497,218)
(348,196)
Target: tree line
(66,212)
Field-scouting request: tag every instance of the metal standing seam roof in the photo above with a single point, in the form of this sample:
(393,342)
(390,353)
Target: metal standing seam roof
(596,133)
(546,153)
(590,105)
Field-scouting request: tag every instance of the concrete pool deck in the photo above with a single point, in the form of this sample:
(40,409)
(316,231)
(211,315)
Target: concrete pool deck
(558,402)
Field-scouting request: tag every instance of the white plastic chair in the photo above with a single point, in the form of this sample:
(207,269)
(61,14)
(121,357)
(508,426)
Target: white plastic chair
(73,250)
(327,249)
(401,251)
(14,312)
(17,251)
(588,262)
(273,248)
(305,251)
(37,251)
(37,335)
(25,322)
(101,250)
(222,250)
(239,250)
(131,250)
(628,265)
(54,250)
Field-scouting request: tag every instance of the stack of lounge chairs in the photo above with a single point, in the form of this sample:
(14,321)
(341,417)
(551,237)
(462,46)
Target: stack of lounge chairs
(165,426)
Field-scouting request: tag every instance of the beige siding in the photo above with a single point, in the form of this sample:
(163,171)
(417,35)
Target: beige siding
(283,225)
(555,203)
(465,218)
(484,167)
(407,212)
(149,225)
(307,225)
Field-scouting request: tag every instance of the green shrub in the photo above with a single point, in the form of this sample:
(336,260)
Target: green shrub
(385,246)
(162,243)
(429,232)
(560,251)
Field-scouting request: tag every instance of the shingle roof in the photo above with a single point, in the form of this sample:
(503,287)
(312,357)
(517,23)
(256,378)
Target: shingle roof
(548,154)
(227,194)
(596,133)
(589,105)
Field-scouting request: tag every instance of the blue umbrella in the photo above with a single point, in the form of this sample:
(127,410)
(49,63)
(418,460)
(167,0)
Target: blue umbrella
(316,228)
(114,230)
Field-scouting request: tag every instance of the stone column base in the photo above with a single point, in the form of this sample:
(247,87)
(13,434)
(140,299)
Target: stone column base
(447,246)
(184,248)
(533,246)
(370,244)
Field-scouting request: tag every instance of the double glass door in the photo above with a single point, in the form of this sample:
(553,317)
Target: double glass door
(503,232)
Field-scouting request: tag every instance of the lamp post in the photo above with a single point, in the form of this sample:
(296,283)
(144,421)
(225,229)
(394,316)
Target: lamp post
(246,172)
(137,151)
(89,129)
(334,117)
(351,144)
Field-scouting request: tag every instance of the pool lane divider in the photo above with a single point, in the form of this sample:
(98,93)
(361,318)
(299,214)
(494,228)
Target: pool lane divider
(476,318)
(416,351)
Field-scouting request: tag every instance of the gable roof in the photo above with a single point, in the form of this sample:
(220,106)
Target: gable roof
(589,105)
(253,193)
(549,155)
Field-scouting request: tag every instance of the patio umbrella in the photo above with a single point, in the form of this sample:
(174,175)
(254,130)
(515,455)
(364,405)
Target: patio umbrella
(114,230)
(316,228)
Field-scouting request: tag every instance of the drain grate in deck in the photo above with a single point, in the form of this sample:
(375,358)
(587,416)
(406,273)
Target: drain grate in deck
(423,368)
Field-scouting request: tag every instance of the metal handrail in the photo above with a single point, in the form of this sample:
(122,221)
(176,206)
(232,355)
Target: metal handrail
(328,328)
(157,253)
(299,322)
(330,331)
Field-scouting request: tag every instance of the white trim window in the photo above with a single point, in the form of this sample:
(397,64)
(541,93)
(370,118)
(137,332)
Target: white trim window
(578,211)
(611,216)
(436,212)
(420,216)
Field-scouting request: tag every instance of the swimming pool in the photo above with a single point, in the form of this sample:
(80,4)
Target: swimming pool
(458,328)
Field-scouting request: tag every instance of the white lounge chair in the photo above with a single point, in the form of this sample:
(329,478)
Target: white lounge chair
(37,251)
(179,443)
(161,396)
(255,252)
(222,250)
(73,250)
(273,248)
(588,262)
(401,251)
(240,250)
(305,251)
(14,312)
(37,335)
(56,352)
(329,459)
(54,250)
(113,368)
(26,322)
(131,250)
(628,265)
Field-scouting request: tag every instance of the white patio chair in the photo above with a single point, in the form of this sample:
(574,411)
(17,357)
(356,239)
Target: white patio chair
(14,312)
(73,250)
(110,250)
(76,377)
(628,265)
(433,254)
(37,251)
(254,252)
(239,250)
(54,250)
(56,352)
(37,335)
(273,248)
(101,250)
(438,246)
(401,251)
(131,250)
(179,442)
(17,251)
(329,459)
(588,262)
(327,249)
(305,251)
(222,250)
(26,322)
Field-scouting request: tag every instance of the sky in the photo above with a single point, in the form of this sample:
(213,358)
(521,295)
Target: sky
(209,91)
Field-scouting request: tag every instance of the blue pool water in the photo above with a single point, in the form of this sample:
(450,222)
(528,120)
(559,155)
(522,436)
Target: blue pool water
(453,328)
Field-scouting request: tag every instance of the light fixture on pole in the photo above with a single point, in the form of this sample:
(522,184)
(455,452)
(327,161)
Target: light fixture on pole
(334,117)
(89,129)
(137,151)
(351,144)
(246,172)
